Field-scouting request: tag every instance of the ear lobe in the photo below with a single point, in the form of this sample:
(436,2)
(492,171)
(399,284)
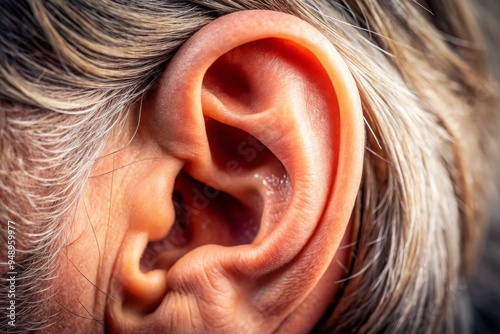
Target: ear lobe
(263,111)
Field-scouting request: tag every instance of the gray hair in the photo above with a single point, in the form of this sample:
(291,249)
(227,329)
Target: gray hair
(71,71)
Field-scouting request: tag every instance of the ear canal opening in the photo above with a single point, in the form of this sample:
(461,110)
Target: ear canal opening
(203,215)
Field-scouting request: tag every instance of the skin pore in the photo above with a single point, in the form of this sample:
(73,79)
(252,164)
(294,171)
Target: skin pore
(158,265)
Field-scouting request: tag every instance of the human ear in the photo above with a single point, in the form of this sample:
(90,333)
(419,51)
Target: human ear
(260,127)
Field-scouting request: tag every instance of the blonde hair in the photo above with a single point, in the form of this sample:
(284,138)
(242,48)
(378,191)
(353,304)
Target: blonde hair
(71,71)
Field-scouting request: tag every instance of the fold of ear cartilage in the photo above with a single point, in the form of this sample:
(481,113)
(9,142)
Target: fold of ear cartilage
(266,120)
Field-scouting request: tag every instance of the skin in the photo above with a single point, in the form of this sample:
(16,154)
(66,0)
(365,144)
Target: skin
(260,107)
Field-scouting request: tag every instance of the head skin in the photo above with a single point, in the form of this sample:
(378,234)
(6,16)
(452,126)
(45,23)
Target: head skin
(234,169)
